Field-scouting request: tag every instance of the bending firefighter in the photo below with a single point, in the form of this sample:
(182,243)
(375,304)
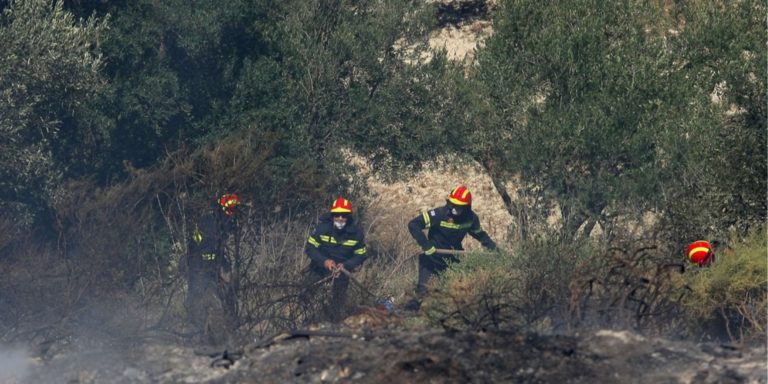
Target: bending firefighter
(210,302)
(336,242)
(446,228)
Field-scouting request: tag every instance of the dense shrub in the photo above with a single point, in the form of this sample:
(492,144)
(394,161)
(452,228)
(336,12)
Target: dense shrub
(477,293)
(550,285)
(731,296)
(527,287)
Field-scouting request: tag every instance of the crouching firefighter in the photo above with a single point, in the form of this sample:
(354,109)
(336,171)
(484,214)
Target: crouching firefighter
(446,228)
(210,300)
(336,242)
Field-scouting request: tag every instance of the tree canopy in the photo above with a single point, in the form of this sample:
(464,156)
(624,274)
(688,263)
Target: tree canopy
(606,108)
(603,110)
(120,120)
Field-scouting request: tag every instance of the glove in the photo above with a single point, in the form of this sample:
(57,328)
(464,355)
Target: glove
(329,264)
(430,250)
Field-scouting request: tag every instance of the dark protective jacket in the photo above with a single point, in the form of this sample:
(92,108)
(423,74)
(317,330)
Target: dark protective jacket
(446,231)
(346,245)
(206,243)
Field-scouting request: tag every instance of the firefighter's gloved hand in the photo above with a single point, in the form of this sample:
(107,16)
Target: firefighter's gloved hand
(431,250)
(329,264)
(336,271)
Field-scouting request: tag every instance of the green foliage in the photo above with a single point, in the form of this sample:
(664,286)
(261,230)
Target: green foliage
(602,109)
(589,81)
(336,82)
(152,101)
(731,295)
(49,76)
(721,183)
(596,106)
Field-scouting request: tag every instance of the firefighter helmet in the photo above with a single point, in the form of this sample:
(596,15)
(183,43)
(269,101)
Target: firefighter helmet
(229,202)
(460,196)
(700,252)
(341,205)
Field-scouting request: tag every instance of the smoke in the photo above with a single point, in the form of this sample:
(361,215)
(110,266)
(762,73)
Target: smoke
(14,364)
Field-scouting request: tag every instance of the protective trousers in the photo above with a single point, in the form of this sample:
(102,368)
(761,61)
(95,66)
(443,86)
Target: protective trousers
(335,309)
(206,309)
(431,265)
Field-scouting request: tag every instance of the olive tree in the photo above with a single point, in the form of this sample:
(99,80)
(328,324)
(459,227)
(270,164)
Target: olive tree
(593,106)
(49,72)
(721,187)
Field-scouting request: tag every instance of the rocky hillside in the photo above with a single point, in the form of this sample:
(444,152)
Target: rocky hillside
(463,26)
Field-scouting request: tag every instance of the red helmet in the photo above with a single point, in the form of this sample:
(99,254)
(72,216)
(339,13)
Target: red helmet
(229,202)
(460,196)
(700,253)
(341,205)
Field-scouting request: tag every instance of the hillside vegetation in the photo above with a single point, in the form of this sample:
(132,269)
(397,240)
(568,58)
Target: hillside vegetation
(120,121)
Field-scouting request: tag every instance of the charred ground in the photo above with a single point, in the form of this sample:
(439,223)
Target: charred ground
(392,354)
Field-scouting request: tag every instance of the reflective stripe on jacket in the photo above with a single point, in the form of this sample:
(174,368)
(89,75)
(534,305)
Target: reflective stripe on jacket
(446,231)
(346,245)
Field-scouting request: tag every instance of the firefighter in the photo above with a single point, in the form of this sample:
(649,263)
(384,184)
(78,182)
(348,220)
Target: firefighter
(336,242)
(446,228)
(209,302)
(701,253)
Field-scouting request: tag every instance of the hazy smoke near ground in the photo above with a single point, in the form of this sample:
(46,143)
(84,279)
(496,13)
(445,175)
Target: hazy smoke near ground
(14,364)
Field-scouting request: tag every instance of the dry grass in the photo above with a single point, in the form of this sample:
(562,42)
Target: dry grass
(391,205)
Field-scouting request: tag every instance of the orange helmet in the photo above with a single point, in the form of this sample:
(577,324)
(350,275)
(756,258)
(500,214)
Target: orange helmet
(229,202)
(341,205)
(460,196)
(700,253)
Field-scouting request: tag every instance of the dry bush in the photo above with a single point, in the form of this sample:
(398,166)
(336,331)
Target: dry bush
(390,271)
(546,266)
(546,284)
(37,297)
(270,283)
(480,292)
(116,245)
(119,247)
(527,287)
(274,293)
(117,251)
(627,287)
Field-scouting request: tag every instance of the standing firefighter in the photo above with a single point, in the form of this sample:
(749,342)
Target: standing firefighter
(336,242)
(209,302)
(446,228)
